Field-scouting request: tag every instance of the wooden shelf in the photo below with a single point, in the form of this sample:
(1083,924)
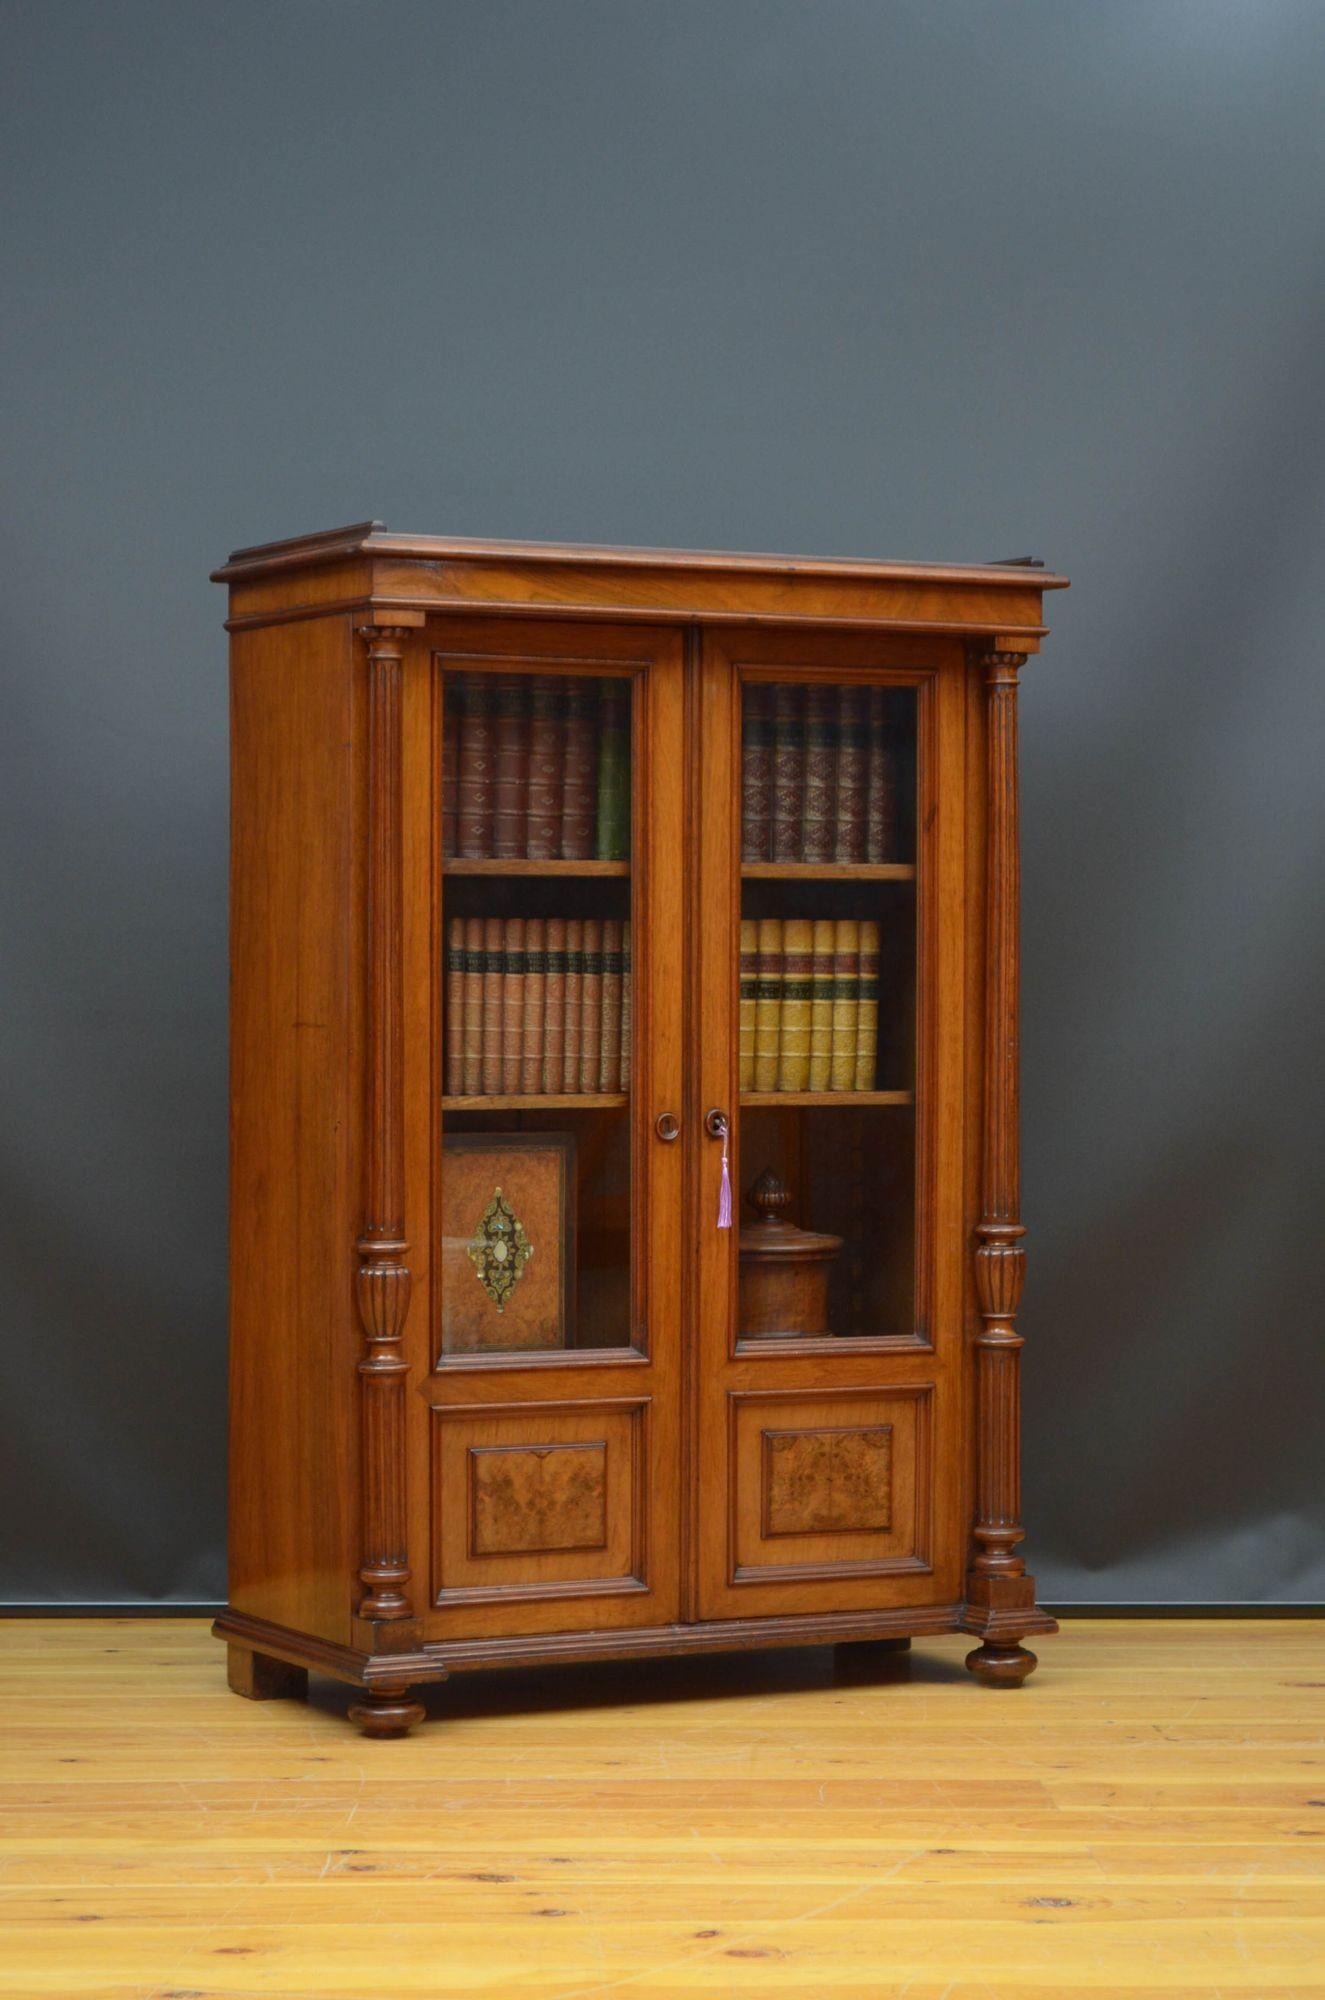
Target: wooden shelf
(463,865)
(758,1100)
(828,871)
(586,1100)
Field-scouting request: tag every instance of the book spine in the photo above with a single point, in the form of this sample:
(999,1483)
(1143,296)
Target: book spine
(510,762)
(626,1048)
(577,790)
(756,771)
(821,1005)
(846,983)
(852,762)
(450,764)
(794,1025)
(881,783)
(574,999)
(474,778)
(531,1029)
(591,1005)
(788,805)
(473,1042)
(613,838)
(454,1032)
(554,1009)
(547,747)
(768,995)
(867,1012)
(820,773)
(609,1068)
(749,988)
(494,967)
(512,1005)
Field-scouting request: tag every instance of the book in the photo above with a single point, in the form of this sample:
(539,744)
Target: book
(473,1031)
(547,744)
(475,774)
(579,762)
(512,1005)
(494,967)
(788,791)
(756,771)
(881,782)
(846,985)
(531,1025)
(626,1047)
(510,764)
(554,1009)
(454,1030)
(591,1005)
(821,1005)
(613,836)
(450,762)
(768,994)
(609,1067)
(794,1016)
(867,1009)
(572,1014)
(748,989)
(819,803)
(852,762)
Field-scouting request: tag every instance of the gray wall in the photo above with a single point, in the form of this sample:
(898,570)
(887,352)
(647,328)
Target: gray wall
(931,279)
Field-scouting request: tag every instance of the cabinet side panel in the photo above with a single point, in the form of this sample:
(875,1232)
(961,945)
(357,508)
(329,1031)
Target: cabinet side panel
(294,1121)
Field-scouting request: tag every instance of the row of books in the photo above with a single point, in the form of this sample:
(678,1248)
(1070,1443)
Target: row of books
(818,772)
(809,1004)
(536,1006)
(536,767)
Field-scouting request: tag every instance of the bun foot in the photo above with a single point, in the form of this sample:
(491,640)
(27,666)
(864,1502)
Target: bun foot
(379,1713)
(1001,1666)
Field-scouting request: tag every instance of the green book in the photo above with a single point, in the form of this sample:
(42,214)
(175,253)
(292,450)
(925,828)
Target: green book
(613,826)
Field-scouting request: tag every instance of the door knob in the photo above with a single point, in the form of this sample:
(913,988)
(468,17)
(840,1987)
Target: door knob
(668,1126)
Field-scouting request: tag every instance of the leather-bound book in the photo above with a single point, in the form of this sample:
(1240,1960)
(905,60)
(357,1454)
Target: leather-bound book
(494,974)
(788,808)
(867,1009)
(476,775)
(574,1003)
(591,1005)
(748,990)
(768,996)
(625,1007)
(613,836)
(881,783)
(453,1034)
(609,1065)
(821,1005)
(817,825)
(846,995)
(797,987)
(547,751)
(510,791)
(450,763)
(512,1005)
(756,771)
(473,1037)
(531,1028)
(581,761)
(554,1009)
(852,774)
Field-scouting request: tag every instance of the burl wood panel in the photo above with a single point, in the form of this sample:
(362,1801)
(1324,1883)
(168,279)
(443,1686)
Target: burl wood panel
(533,1174)
(531,1498)
(828,1482)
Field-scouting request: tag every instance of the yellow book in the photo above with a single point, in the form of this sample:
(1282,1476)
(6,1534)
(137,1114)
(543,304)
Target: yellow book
(748,991)
(794,1025)
(821,1006)
(846,984)
(867,1014)
(768,995)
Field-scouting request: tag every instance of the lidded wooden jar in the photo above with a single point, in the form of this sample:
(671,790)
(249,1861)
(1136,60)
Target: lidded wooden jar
(784,1270)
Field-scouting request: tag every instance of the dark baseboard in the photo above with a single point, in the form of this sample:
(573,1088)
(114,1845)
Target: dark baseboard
(1076,1610)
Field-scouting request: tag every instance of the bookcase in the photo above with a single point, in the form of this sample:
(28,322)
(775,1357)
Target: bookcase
(625,1234)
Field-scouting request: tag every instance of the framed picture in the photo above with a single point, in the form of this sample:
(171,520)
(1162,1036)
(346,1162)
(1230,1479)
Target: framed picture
(508,1252)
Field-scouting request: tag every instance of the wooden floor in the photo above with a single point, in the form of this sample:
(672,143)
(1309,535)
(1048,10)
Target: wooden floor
(1146,1816)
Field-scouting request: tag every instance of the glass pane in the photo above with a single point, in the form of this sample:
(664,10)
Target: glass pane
(538,1045)
(827,1010)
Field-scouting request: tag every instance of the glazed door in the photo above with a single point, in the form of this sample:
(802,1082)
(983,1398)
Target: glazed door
(552,1403)
(829,1053)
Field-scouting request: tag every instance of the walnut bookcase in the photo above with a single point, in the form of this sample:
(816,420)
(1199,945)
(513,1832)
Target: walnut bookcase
(760,918)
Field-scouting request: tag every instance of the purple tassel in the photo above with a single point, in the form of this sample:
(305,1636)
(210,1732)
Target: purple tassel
(725,1191)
